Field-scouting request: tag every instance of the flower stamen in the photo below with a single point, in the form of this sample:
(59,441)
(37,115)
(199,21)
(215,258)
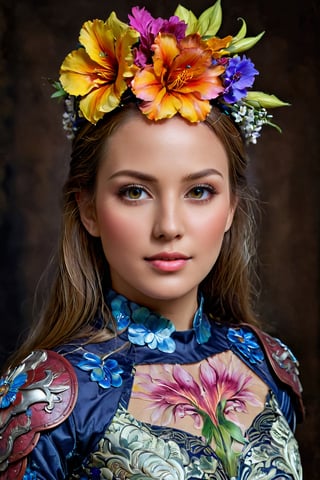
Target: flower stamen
(182,78)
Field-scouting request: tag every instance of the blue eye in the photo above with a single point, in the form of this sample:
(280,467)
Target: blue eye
(201,192)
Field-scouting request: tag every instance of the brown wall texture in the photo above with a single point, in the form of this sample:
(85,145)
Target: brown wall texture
(35,37)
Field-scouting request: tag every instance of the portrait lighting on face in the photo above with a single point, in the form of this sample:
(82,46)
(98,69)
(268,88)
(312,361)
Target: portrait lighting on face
(162,199)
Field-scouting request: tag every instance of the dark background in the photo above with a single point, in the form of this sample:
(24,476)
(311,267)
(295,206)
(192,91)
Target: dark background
(35,37)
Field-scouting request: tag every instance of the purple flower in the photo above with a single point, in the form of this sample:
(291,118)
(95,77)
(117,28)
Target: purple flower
(149,27)
(238,77)
(175,26)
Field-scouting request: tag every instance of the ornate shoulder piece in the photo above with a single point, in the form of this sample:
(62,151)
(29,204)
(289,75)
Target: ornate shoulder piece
(37,395)
(283,362)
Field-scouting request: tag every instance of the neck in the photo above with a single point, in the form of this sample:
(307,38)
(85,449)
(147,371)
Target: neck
(180,311)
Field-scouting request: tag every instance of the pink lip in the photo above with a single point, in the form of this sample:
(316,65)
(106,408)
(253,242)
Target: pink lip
(168,261)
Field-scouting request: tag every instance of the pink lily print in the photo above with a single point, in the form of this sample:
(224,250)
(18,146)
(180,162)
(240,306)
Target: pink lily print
(224,389)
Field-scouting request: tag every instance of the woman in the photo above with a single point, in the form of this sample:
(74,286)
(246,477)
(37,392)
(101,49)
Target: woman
(148,361)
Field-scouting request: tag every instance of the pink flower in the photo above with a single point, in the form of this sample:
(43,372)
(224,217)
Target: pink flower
(175,393)
(148,27)
(226,382)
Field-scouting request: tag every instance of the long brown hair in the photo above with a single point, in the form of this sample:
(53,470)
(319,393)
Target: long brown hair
(81,276)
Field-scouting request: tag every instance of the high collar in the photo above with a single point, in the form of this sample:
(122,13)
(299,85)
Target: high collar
(145,327)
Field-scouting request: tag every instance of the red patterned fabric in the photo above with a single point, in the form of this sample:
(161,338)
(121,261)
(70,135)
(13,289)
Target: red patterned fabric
(44,400)
(283,363)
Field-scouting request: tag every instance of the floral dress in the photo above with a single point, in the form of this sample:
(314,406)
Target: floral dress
(214,402)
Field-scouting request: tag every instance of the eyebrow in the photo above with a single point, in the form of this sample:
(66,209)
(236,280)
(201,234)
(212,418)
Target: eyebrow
(150,178)
(203,173)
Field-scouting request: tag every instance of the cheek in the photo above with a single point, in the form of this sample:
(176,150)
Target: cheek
(116,229)
(212,226)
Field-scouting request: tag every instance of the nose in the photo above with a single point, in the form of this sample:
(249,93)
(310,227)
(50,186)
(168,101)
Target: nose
(168,221)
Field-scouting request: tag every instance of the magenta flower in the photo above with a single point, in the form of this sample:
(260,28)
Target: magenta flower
(224,388)
(148,28)
(224,382)
(174,393)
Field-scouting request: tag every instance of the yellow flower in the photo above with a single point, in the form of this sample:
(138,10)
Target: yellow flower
(100,70)
(181,79)
(218,45)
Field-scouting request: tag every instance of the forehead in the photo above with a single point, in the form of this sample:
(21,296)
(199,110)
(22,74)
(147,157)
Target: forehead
(168,144)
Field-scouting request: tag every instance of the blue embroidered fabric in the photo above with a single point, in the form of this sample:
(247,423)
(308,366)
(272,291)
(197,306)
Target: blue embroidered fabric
(151,329)
(101,440)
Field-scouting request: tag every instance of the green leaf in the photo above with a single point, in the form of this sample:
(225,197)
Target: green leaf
(244,44)
(274,125)
(210,20)
(56,84)
(208,429)
(208,23)
(219,440)
(234,431)
(226,425)
(188,17)
(261,99)
(60,92)
(220,408)
(242,32)
(228,456)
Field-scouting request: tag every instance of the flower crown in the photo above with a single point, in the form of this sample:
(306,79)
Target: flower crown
(174,66)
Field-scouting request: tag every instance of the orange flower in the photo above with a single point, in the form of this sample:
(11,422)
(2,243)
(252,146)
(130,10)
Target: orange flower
(218,45)
(181,79)
(99,71)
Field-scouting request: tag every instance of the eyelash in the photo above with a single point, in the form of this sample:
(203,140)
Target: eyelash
(209,189)
(205,188)
(125,190)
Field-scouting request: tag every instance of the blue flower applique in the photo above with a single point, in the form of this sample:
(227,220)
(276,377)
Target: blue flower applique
(201,324)
(152,330)
(120,310)
(106,372)
(29,475)
(246,343)
(9,386)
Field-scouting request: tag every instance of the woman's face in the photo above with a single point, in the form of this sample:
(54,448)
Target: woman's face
(162,207)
